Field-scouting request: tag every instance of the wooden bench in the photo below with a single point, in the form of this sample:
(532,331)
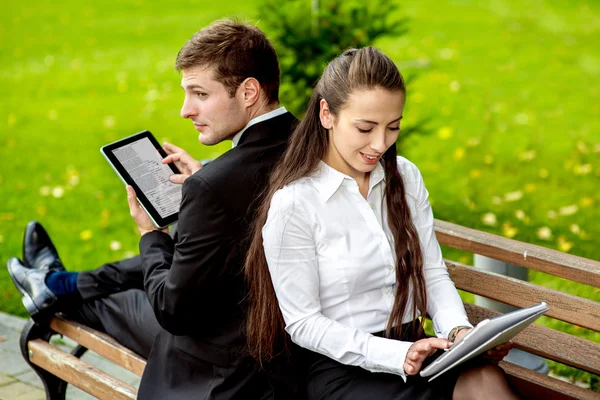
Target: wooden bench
(57,368)
(545,342)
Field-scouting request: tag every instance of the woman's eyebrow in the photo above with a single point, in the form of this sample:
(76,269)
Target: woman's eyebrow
(374,122)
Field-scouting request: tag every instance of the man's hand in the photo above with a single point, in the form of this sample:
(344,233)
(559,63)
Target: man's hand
(494,355)
(139,215)
(186,164)
(420,350)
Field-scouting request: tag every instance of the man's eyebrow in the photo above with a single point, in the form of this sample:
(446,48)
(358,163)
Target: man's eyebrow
(374,122)
(192,86)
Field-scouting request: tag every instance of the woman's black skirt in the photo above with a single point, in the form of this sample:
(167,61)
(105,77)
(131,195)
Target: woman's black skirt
(330,380)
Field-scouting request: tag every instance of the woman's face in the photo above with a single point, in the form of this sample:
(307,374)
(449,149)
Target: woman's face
(365,127)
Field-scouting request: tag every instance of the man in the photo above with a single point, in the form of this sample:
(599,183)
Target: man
(180,303)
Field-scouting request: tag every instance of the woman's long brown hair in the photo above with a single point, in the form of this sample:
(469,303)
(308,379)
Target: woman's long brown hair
(354,70)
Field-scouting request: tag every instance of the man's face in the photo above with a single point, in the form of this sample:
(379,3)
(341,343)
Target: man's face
(215,114)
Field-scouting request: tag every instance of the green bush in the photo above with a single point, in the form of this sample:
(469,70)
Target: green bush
(307,35)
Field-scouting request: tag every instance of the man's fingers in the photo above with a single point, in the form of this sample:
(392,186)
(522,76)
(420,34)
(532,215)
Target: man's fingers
(171,148)
(171,158)
(131,199)
(178,178)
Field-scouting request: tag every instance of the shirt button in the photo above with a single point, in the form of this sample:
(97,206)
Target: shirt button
(388,291)
(390,267)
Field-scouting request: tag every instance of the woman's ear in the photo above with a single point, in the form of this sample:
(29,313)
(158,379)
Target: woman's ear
(325,114)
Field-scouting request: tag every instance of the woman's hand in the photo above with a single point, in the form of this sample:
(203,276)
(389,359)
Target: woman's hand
(420,350)
(494,355)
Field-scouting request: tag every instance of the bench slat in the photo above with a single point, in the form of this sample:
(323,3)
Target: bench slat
(79,373)
(563,306)
(100,343)
(533,385)
(553,262)
(548,343)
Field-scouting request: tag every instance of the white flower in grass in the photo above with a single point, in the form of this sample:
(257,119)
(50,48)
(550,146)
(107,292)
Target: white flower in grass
(552,214)
(454,86)
(574,228)
(128,254)
(115,245)
(58,192)
(513,196)
(489,219)
(496,200)
(544,233)
(520,214)
(568,210)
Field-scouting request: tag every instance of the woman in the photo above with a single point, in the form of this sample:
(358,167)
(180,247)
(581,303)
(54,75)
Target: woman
(344,256)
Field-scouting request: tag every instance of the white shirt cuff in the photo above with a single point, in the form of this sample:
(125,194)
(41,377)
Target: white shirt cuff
(387,355)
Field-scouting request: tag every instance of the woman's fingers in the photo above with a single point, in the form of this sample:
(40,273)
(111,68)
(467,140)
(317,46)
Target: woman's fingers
(420,350)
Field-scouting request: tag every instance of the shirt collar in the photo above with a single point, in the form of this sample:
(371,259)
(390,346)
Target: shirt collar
(253,121)
(328,180)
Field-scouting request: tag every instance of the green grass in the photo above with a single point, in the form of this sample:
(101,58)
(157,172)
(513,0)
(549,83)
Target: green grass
(512,87)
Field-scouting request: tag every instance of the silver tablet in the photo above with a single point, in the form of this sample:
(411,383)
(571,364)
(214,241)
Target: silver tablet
(488,334)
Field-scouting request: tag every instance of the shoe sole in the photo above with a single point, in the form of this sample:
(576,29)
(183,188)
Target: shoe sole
(32,309)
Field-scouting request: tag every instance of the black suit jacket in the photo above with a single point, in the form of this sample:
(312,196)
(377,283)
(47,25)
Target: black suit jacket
(195,283)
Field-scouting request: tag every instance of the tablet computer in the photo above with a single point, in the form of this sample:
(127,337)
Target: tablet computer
(137,160)
(488,334)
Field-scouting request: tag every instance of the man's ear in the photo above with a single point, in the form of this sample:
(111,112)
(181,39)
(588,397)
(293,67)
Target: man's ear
(250,91)
(325,114)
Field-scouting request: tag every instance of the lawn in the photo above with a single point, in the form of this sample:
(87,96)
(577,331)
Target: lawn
(512,89)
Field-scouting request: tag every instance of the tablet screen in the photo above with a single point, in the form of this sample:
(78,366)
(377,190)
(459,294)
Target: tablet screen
(137,159)
(143,163)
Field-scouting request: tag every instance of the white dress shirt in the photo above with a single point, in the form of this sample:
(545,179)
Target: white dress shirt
(263,117)
(331,257)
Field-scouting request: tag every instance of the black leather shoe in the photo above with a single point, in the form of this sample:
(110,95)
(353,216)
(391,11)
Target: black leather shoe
(38,250)
(37,298)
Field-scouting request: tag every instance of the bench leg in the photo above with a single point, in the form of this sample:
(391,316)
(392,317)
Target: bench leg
(56,388)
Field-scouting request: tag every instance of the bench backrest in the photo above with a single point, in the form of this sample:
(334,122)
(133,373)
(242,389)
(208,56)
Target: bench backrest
(545,342)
